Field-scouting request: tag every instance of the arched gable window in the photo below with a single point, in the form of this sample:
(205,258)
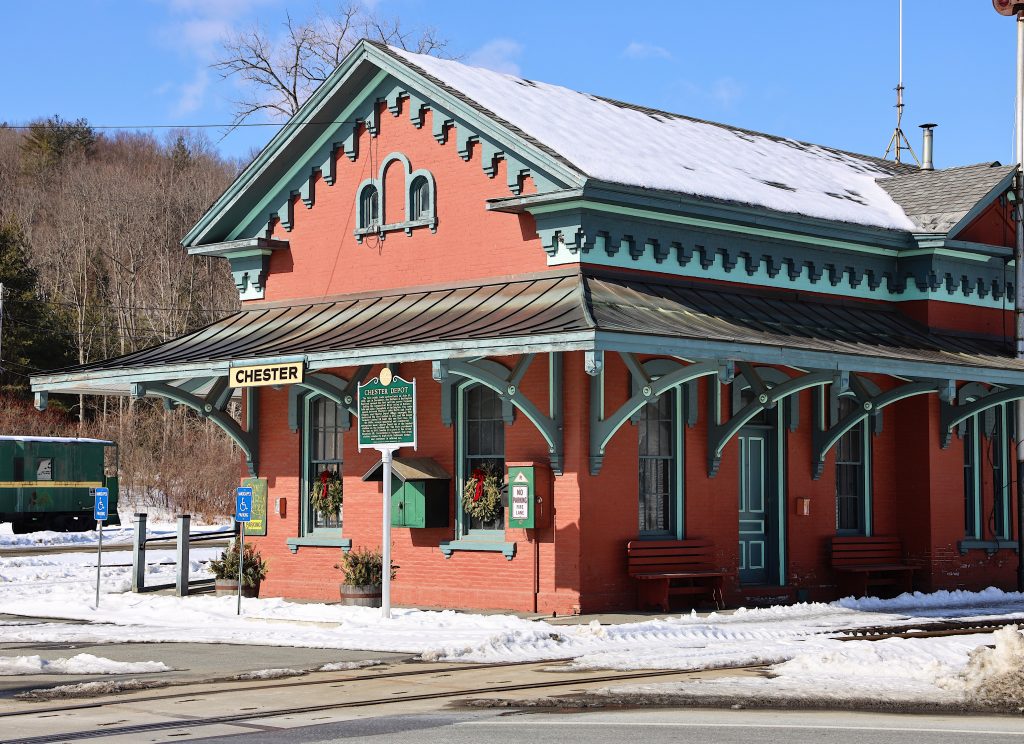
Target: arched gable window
(419,199)
(369,207)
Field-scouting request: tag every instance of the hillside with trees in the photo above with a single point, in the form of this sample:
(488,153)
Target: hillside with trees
(92,268)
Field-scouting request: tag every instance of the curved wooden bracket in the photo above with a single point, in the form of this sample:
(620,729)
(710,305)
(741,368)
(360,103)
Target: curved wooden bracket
(507,388)
(212,407)
(768,396)
(602,429)
(825,439)
(951,416)
(332,387)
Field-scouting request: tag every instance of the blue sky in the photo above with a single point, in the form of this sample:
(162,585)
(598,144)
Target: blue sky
(819,71)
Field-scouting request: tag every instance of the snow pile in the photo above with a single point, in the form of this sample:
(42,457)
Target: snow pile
(995,676)
(91,689)
(345,666)
(627,145)
(270,674)
(79,664)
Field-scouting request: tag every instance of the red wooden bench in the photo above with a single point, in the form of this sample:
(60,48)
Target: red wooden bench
(667,567)
(863,562)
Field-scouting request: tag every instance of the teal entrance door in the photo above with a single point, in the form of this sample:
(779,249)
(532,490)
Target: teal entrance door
(757,511)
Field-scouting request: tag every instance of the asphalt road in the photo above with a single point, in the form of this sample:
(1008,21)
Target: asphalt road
(651,726)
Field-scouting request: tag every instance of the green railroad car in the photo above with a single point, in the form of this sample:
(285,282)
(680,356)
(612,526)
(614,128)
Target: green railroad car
(47,483)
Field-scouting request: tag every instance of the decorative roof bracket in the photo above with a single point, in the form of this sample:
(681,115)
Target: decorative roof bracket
(767,396)
(213,406)
(825,439)
(950,415)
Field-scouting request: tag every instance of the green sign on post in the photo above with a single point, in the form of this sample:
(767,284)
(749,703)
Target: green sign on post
(521,497)
(257,524)
(387,412)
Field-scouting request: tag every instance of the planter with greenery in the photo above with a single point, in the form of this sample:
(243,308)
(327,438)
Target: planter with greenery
(225,571)
(363,573)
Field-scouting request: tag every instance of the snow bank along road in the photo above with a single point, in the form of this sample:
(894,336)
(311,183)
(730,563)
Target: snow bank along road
(806,660)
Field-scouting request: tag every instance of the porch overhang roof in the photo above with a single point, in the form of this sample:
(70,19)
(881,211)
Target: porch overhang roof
(565,310)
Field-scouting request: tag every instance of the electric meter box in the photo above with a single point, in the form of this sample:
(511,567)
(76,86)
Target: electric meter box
(420,492)
(529,495)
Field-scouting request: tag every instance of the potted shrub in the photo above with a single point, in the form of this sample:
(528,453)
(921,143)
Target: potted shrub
(362,571)
(225,571)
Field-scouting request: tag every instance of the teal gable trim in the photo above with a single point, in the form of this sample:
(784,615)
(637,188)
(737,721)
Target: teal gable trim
(282,173)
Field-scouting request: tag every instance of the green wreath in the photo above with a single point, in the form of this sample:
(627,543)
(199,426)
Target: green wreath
(481,496)
(327,493)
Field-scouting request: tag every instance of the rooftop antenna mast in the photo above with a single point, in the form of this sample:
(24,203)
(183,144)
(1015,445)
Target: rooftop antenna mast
(898,142)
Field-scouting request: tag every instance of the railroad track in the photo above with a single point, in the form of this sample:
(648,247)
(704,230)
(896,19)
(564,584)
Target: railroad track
(934,629)
(9,718)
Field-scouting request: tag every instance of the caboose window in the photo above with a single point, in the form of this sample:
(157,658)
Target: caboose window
(19,468)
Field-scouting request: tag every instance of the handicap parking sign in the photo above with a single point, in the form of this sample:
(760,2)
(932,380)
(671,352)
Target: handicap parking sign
(99,508)
(243,504)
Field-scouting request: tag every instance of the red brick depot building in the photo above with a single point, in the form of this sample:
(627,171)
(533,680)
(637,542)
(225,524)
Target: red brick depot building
(694,332)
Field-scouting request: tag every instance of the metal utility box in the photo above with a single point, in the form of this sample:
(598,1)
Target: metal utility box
(420,491)
(529,495)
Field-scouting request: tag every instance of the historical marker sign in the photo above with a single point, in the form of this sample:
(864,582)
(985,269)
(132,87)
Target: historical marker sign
(257,524)
(387,412)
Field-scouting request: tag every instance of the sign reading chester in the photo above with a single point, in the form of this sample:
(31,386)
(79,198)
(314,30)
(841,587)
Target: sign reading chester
(387,412)
(287,373)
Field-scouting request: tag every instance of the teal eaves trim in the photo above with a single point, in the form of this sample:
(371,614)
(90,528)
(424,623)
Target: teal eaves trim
(508,549)
(312,541)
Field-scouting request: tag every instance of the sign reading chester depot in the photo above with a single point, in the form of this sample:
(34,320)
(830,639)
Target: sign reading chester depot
(387,412)
(285,373)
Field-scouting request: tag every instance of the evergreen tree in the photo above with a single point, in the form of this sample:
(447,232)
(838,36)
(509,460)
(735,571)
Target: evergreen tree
(52,140)
(31,333)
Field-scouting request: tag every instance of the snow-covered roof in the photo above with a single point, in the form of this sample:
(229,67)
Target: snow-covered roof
(620,143)
(79,440)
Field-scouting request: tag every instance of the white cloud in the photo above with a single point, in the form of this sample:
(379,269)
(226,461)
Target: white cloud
(192,94)
(726,91)
(499,55)
(642,50)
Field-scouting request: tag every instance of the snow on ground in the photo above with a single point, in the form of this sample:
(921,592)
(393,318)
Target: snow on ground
(78,664)
(797,641)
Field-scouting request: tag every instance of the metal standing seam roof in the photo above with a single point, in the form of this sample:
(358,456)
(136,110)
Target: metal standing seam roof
(557,305)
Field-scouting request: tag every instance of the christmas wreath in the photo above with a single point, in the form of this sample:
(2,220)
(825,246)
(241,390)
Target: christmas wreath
(326,495)
(481,497)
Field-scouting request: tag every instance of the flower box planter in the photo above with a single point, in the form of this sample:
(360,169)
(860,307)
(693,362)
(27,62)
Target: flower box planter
(229,588)
(368,595)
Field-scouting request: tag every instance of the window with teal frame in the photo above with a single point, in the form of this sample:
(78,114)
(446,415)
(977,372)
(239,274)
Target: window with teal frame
(659,491)
(999,457)
(853,475)
(481,444)
(323,450)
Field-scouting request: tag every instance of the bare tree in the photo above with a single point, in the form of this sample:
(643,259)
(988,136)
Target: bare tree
(282,74)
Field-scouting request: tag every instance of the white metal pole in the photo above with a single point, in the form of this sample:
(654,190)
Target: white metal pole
(1,326)
(241,558)
(385,551)
(1018,305)
(99,560)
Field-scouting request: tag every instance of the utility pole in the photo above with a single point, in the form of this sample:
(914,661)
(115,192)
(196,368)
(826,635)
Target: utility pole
(1015,8)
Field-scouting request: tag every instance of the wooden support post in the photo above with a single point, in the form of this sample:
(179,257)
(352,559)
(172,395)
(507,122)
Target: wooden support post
(181,581)
(139,554)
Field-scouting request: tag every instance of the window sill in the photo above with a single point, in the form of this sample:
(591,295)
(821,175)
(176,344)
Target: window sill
(313,541)
(989,546)
(361,232)
(471,543)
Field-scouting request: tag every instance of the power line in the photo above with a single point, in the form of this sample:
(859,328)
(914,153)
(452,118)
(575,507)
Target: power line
(290,123)
(95,305)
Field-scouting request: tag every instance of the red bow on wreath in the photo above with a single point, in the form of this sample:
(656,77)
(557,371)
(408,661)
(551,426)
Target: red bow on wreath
(324,477)
(479,476)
